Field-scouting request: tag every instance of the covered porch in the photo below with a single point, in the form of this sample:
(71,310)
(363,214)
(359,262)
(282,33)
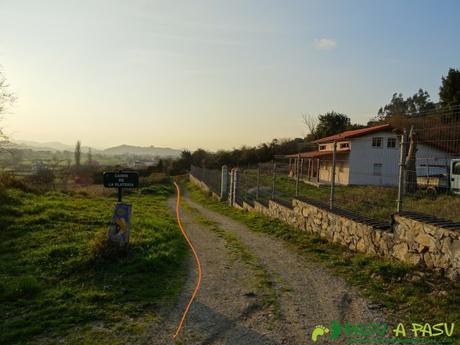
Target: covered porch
(315,167)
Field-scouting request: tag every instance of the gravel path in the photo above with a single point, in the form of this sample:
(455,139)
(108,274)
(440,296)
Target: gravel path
(240,269)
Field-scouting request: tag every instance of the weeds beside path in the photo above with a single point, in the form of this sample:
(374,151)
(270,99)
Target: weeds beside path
(256,290)
(56,286)
(406,294)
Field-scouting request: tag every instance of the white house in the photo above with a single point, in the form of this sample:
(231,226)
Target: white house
(367,156)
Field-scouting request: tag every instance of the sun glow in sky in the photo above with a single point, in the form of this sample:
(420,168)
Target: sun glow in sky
(213,74)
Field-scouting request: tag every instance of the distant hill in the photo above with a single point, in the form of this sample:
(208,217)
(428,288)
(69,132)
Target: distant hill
(142,151)
(54,146)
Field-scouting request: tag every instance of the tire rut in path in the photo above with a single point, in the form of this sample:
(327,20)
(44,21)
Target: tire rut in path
(229,310)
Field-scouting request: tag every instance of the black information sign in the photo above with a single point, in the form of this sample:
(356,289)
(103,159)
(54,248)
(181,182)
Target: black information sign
(121,179)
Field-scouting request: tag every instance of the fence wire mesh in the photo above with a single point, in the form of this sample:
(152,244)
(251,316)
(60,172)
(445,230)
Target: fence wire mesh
(432,167)
(211,177)
(411,164)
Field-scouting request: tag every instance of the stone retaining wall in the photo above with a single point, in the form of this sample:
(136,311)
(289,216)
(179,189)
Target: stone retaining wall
(199,184)
(409,240)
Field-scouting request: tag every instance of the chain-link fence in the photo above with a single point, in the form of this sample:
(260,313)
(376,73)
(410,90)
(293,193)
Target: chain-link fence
(432,163)
(408,165)
(211,177)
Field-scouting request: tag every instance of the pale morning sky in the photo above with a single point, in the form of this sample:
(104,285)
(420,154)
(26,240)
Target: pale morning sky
(213,74)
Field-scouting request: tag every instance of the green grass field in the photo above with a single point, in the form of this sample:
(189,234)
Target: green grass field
(56,281)
(406,295)
(369,201)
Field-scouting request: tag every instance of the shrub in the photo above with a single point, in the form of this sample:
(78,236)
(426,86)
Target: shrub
(101,249)
(154,179)
(10,181)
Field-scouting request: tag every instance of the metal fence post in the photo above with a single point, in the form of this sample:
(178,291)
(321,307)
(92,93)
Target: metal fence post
(224,182)
(298,170)
(230,190)
(318,167)
(243,184)
(236,186)
(274,179)
(258,182)
(331,199)
(402,168)
(301,168)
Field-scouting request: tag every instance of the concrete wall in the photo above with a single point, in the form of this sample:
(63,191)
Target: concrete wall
(363,157)
(199,184)
(409,239)
(341,170)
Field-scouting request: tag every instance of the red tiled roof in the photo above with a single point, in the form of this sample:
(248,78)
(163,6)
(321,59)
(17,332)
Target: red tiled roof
(353,133)
(315,154)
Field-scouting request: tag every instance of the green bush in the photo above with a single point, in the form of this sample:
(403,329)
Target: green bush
(159,190)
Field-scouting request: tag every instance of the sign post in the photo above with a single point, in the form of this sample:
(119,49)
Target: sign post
(119,228)
(120,180)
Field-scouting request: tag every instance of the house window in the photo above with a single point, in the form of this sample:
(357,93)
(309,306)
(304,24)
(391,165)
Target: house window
(391,143)
(378,169)
(456,168)
(377,142)
(322,147)
(344,145)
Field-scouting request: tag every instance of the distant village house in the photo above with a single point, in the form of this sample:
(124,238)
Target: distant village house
(367,156)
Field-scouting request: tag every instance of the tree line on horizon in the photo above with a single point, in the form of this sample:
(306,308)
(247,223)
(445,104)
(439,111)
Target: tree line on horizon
(399,112)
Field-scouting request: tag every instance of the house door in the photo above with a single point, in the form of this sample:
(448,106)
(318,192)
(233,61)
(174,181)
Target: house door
(455,176)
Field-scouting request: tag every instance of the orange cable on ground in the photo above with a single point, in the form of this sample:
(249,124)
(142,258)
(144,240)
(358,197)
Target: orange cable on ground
(197,261)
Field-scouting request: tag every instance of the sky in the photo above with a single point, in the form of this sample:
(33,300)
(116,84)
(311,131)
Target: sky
(213,74)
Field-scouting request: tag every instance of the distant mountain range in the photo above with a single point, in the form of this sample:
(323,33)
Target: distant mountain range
(54,146)
(142,151)
(48,146)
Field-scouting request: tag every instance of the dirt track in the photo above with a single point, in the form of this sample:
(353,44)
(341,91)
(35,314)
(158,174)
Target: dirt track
(256,290)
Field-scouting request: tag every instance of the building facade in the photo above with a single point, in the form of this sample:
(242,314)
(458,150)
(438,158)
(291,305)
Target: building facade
(367,156)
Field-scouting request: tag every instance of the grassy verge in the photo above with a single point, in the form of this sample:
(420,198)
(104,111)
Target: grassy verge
(262,282)
(57,283)
(407,295)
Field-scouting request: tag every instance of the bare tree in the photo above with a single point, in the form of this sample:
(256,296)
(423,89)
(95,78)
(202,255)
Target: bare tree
(7,98)
(310,123)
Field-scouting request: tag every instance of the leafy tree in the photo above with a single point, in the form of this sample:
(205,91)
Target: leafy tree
(181,165)
(412,106)
(419,103)
(332,123)
(449,92)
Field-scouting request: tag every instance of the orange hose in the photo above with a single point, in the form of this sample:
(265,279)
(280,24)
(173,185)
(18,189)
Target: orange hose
(197,261)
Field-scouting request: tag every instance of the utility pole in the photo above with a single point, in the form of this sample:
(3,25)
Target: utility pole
(331,199)
(402,169)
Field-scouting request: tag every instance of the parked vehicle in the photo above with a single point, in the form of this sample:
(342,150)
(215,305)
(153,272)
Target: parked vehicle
(450,180)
